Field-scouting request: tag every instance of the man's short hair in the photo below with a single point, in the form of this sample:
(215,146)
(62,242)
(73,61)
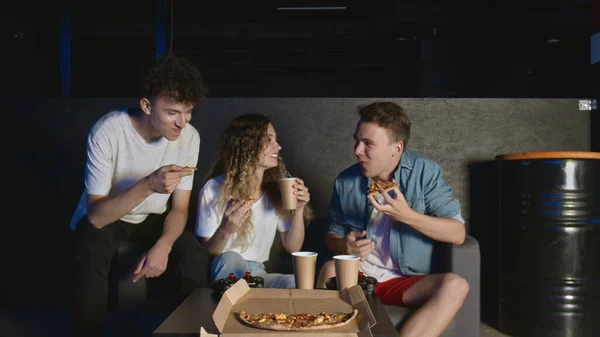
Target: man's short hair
(176,78)
(390,116)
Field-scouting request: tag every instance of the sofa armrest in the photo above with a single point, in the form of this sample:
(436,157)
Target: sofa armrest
(465,260)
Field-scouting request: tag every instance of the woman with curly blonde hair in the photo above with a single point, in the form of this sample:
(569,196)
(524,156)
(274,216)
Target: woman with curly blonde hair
(240,206)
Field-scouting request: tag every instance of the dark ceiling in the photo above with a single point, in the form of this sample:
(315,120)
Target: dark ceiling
(279,48)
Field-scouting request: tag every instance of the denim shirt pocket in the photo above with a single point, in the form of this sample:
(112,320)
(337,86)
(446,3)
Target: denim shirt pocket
(417,254)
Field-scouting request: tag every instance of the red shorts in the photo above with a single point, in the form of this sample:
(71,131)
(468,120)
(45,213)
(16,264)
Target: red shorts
(390,292)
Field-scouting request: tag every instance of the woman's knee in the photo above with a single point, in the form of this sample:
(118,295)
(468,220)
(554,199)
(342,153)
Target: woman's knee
(226,263)
(281,281)
(229,258)
(289,281)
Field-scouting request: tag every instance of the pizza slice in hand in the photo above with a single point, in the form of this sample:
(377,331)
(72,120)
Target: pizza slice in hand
(376,185)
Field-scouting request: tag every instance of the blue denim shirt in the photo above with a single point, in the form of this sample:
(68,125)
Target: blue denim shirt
(426,192)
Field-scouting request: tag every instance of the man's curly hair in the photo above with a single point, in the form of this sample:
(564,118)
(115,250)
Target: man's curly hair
(176,78)
(238,153)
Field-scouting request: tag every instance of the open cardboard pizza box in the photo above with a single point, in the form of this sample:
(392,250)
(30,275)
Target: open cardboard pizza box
(257,300)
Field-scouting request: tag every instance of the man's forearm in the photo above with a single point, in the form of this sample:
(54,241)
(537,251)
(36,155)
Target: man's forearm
(111,208)
(336,245)
(174,226)
(440,229)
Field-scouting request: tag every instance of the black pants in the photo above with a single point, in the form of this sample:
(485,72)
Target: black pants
(95,248)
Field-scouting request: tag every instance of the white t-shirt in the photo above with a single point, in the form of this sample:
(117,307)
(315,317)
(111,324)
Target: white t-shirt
(379,263)
(264,218)
(118,157)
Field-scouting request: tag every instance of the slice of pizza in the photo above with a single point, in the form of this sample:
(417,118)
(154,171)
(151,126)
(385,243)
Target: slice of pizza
(268,321)
(322,321)
(246,199)
(376,185)
(190,168)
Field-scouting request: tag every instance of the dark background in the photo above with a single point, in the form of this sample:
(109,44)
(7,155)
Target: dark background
(54,51)
(410,48)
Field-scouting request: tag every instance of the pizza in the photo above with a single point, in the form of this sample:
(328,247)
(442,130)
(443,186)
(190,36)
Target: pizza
(190,168)
(246,199)
(380,184)
(297,322)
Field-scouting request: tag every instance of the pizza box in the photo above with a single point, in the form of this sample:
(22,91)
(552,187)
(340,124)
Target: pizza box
(240,297)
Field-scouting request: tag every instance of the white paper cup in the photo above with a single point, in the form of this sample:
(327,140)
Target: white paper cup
(305,264)
(346,270)
(290,202)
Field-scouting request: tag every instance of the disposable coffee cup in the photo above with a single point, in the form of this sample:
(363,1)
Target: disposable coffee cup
(346,270)
(287,193)
(305,264)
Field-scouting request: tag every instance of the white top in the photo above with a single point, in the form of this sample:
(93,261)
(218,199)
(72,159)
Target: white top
(264,218)
(379,263)
(118,157)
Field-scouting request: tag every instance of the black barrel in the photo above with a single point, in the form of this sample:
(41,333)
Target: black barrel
(549,244)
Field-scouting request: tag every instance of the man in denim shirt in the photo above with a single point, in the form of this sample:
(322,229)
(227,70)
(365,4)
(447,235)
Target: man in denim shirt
(393,232)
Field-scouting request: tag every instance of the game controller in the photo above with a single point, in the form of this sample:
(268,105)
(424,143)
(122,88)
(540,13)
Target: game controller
(221,285)
(367,283)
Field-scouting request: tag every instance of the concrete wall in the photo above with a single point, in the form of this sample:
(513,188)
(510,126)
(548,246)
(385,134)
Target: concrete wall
(47,140)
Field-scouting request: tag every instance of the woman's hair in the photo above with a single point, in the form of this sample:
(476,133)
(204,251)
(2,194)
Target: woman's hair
(237,156)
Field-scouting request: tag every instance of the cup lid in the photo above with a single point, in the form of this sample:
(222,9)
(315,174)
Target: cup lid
(346,257)
(305,254)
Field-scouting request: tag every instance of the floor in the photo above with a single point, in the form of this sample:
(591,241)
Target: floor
(47,324)
(487,331)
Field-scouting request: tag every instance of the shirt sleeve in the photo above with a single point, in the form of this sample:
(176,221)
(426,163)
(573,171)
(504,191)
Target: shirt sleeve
(284,224)
(187,182)
(439,199)
(208,217)
(99,164)
(336,215)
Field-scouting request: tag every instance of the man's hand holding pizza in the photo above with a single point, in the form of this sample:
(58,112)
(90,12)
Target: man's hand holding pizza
(396,208)
(167,178)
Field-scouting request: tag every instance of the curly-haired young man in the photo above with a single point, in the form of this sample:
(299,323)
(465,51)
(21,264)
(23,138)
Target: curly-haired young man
(138,159)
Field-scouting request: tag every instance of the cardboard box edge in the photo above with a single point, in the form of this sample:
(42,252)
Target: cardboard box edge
(203,333)
(228,300)
(355,296)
